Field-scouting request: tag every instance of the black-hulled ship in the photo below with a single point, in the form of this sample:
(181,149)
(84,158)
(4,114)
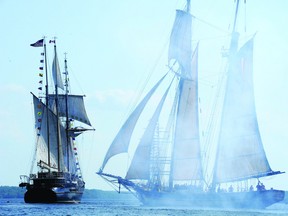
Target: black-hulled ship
(171,166)
(58,176)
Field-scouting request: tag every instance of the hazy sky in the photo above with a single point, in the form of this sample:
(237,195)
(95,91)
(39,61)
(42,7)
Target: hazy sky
(112,48)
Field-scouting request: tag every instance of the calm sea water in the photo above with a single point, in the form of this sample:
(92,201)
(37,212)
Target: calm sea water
(127,208)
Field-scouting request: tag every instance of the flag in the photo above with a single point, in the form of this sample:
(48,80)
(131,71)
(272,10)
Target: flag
(38,43)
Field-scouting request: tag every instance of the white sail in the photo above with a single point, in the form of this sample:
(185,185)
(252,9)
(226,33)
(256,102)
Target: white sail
(40,113)
(186,152)
(121,142)
(56,72)
(76,108)
(180,42)
(240,150)
(141,163)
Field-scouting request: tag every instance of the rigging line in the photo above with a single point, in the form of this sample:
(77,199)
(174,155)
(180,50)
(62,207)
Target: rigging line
(134,102)
(77,81)
(211,25)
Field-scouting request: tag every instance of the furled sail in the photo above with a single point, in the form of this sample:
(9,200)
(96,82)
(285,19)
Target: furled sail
(180,42)
(76,108)
(121,142)
(240,152)
(40,113)
(141,162)
(187,164)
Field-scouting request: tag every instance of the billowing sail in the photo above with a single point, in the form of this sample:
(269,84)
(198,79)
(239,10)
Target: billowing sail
(240,152)
(41,124)
(121,142)
(56,72)
(76,108)
(180,42)
(141,163)
(186,152)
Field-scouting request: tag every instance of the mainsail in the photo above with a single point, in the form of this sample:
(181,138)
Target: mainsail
(187,163)
(240,150)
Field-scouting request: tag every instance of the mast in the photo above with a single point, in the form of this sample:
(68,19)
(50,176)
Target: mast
(66,107)
(187,67)
(234,36)
(188,6)
(47,104)
(232,53)
(57,113)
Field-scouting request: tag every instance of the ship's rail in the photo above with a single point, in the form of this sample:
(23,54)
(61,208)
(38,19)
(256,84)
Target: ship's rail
(51,175)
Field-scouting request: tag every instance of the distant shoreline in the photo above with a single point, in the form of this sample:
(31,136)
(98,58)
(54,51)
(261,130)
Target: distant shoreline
(17,192)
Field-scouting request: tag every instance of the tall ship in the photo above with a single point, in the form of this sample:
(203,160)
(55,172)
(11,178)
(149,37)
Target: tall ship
(171,164)
(55,174)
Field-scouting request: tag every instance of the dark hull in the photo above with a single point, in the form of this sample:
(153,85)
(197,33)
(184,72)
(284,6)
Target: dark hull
(249,200)
(53,187)
(53,195)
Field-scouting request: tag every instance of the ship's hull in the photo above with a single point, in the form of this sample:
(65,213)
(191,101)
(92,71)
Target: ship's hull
(53,195)
(54,187)
(249,200)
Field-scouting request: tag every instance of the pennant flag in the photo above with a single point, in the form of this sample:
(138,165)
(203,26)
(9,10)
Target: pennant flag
(42,53)
(41,74)
(38,43)
(40,88)
(40,68)
(41,61)
(52,41)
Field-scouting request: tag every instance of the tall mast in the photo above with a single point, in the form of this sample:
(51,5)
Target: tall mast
(57,113)
(235,34)
(47,104)
(188,6)
(232,54)
(171,175)
(66,107)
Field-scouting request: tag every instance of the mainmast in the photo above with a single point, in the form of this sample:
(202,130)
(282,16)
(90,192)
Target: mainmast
(57,107)
(47,104)
(231,58)
(235,34)
(188,6)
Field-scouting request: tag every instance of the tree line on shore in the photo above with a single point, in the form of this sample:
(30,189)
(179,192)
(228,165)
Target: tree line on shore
(8,192)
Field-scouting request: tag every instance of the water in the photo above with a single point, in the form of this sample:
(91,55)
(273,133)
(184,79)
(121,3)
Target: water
(120,207)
